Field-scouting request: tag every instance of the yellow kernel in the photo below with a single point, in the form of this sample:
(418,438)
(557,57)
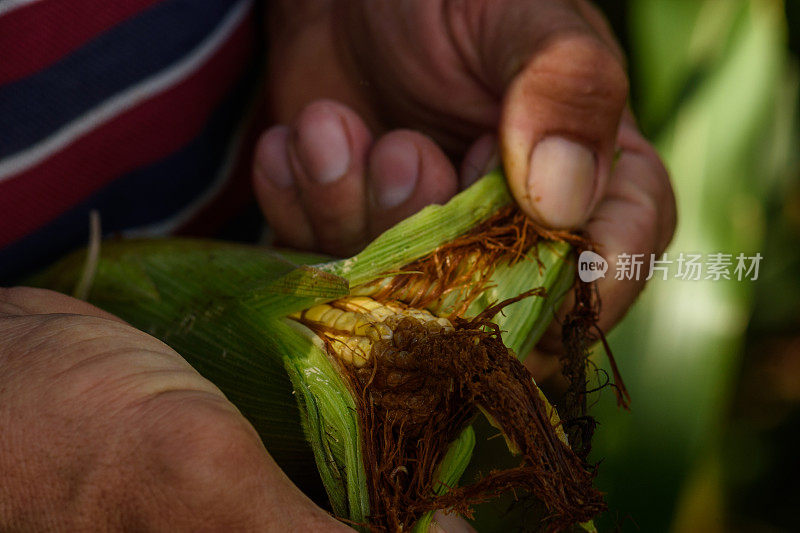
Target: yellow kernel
(330,316)
(362,325)
(346,321)
(314,314)
(359,303)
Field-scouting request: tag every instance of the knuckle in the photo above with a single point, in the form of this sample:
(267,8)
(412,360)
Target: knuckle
(658,198)
(639,233)
(317,109)
(645,218)
(669,220)
(648,241)
(646,185)
(580,65)
(202,452)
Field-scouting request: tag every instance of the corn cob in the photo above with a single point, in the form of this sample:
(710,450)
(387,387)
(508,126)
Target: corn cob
(317,356)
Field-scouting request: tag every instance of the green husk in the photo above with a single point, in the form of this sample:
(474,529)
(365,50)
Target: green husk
(223,307)
(450,471)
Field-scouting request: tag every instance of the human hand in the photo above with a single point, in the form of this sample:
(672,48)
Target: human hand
(103,427)
(545,76)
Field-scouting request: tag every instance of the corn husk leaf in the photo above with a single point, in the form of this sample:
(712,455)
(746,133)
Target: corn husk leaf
(223,307)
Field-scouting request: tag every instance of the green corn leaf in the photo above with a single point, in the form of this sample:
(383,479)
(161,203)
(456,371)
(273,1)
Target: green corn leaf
(450,470)
(679,347)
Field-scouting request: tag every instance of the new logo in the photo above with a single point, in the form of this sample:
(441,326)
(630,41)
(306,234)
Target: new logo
(591,266)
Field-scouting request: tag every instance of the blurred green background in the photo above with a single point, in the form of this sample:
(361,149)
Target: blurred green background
(712,441)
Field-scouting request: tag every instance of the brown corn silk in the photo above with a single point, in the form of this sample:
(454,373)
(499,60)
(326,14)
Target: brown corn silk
(421,388)
(464,266)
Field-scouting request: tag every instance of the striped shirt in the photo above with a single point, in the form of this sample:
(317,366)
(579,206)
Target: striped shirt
(141,109)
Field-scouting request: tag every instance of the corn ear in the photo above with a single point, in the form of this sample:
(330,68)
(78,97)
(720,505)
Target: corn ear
(224,307)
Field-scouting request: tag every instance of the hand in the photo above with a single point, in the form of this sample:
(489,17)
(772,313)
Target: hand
(544,76)
(107,428)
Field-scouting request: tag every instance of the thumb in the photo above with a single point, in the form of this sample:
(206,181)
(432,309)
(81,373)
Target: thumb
(564,95)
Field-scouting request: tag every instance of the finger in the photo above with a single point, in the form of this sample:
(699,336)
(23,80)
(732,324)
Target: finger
(637,216)
(565,89)
(407,171)
(597,20)
(481,158)
(32,301)
(276,190)
(328,147)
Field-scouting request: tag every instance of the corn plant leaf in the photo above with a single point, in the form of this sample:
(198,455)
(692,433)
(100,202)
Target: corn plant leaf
(679,347)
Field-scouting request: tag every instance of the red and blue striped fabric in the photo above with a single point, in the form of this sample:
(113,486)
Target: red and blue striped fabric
(140,109)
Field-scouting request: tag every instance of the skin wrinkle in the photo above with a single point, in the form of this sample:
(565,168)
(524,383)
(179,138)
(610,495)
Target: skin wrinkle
(553,25)
(13,328)
(348,57)
(654,198)
(157,470)
(552,81)
(360,26)
(570,130)
(629,190)
(39,330)
(42,301)
(117,351)
(167,379)
(454,13)
(86,325)
(413,106)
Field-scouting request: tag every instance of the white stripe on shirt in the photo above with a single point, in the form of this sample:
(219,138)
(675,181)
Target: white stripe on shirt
(8,6)
(127,99)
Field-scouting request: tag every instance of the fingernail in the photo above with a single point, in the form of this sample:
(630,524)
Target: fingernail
(561,182)
(394,171)
(272,162)
(322,148)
